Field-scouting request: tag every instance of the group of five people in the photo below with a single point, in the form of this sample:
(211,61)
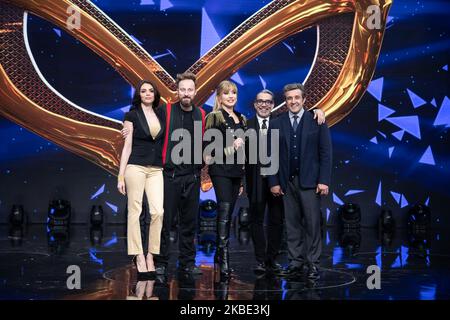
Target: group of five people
(172,188)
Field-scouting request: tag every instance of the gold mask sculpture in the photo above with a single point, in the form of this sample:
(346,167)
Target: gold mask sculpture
(346,56)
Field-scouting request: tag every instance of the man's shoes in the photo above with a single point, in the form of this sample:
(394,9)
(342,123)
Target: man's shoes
(260,268)
(313,272)
(291,270)
(273,267)
(295,272)
(161,270)
(193,270)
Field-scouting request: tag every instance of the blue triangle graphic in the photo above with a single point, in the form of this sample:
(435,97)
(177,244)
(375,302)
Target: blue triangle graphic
(384,112)
(289,47)
(415,99)
(237,78)
(391,149)
(328,214)
(376,88)
(397,197)
(378,199)
(427,157)
(399,135)
(113,207)
(427,202)
(209,36)
(165,4)
(98,192)
(135,39)
(397,263)
(404,202)
(409,124)
(445,67)
(374,140)
(263,82)
(57,31)
(433,102)
(443,116)
(337,200)
(147,2)
(350,192)
(211,100)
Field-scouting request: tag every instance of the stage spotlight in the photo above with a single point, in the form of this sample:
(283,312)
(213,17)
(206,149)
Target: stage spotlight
(58,238)
(386,220)
(350,215)
(96,215)
(386,227)
(96,235)
(207,215)
(207,241)
(244,217)
(17,216)
(350,240)
(419,240)
(15,235)
(59,212)
(419,217)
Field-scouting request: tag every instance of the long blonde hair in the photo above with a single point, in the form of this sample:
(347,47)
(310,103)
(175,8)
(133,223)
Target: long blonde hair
(224,86)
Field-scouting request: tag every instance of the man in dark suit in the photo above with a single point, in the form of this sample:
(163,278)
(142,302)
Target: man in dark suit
(259,194)
(303,176)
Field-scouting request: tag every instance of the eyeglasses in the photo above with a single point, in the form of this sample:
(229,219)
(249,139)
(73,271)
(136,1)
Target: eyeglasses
(260,102)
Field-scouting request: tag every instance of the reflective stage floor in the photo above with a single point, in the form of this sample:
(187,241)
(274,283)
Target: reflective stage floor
(34,265)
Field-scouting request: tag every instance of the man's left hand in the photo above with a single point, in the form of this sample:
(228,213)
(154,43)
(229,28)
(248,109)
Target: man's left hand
(322,189)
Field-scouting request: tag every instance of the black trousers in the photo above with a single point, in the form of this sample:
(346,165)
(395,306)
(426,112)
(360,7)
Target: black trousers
(227,189)
(181,196)
(266,251)
(302,215)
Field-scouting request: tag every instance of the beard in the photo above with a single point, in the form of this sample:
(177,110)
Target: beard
(186,101)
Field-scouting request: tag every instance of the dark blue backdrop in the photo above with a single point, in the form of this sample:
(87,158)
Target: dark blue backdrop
(392,151)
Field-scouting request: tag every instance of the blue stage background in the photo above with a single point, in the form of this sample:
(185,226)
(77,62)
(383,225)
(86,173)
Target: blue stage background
(392,151)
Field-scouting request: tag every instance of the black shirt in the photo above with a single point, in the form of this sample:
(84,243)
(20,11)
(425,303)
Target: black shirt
(145,150)
(185,121)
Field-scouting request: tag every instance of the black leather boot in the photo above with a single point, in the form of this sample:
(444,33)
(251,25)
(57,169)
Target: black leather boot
(222,257)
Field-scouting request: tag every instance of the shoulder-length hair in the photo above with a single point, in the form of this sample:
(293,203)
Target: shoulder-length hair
(136,102)
(224,86)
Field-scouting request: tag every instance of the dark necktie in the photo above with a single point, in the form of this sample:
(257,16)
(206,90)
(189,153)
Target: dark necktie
(264,125)
(295,124)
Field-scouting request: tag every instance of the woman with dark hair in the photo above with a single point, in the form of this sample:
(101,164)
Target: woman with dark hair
(140,170)
(226,176)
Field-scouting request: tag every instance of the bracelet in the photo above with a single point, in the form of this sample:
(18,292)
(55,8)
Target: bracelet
(120,178)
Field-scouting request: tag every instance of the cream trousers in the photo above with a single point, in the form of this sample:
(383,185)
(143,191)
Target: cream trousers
(137,180)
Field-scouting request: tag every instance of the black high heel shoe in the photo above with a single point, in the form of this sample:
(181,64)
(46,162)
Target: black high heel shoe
(142,276)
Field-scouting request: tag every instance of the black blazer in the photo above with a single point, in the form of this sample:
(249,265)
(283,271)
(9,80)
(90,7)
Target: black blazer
(315,152)
(146,151)
(222,121)
(253,178)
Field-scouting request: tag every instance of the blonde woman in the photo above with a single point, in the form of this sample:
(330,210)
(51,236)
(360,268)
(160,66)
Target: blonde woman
(141,169)
(226,178)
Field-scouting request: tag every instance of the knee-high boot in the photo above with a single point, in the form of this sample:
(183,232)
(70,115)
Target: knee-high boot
(221,258)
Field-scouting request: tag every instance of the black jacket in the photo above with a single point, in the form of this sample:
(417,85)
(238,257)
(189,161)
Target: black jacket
(145,150)
(222,121)
(315,152)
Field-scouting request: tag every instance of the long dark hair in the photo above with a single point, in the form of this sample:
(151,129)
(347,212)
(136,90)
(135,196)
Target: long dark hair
(136,102)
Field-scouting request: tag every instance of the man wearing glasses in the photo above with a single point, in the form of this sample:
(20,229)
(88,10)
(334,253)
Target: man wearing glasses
(266,245)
